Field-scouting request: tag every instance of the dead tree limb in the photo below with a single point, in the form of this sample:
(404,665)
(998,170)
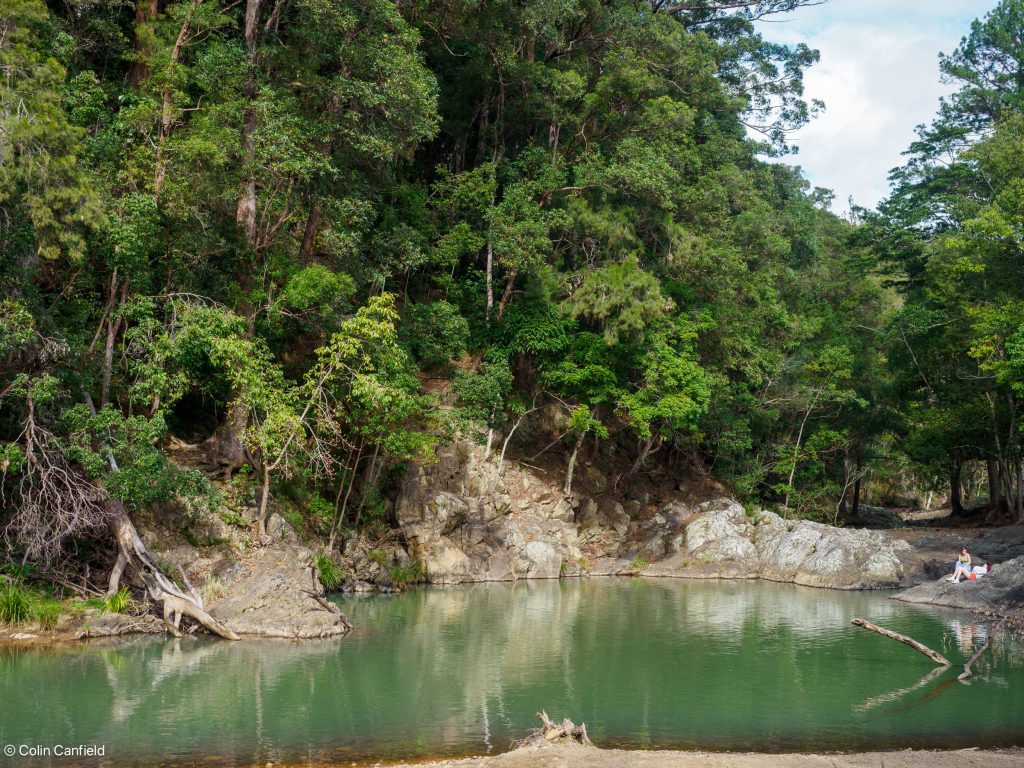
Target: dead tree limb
(552,733)
(967,674)
(938,658)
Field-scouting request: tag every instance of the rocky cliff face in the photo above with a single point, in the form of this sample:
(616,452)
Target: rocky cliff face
(466,522)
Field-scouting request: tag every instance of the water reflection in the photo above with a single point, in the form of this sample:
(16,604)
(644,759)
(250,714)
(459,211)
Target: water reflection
(644,663)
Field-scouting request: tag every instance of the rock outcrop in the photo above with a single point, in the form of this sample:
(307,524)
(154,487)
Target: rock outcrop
(466,522)
(726,542)
(273,591)
(1000,592)
(265,591)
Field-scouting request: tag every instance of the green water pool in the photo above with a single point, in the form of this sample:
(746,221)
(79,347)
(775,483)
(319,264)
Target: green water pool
(748,666)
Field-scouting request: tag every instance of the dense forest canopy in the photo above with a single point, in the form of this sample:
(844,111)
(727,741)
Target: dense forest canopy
(268,224)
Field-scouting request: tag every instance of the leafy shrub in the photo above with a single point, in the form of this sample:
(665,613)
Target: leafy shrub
(317,289)
(231,517)
(434,333)
(373,517)
(638,564)
(294,517)
(320,510)
(379,557)
(330,573)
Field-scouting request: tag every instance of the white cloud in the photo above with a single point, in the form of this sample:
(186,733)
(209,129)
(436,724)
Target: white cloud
(878,77)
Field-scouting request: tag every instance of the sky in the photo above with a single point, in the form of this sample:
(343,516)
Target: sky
(878,77)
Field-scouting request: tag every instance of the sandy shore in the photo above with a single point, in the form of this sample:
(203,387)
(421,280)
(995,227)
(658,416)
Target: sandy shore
(571,756)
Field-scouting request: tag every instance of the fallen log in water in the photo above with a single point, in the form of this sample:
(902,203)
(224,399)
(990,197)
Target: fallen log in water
(935,656)
(966,674)
(555,733)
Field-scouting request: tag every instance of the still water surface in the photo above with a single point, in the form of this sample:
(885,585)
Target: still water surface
(646,664)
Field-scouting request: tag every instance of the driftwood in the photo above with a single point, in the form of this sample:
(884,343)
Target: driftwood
(967,674)
(176,603)
(555,733)
(935,656)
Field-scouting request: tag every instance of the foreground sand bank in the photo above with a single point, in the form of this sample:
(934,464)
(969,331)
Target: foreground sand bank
(572,756)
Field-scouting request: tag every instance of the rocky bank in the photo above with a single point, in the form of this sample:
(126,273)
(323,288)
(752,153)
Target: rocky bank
(1001,592)
(465,520)
(270,590)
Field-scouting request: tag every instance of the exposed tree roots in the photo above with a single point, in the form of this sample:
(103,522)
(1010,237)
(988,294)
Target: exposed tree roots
(176,603)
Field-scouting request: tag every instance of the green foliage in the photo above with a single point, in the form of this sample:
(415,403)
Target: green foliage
(15,603)
(41,182)
(119,601)
(317,289)
(403,575)
(621,298)
(330,573)
(46,613)
(145,475)
(434,333)
(22,604)
(16,326)
(269,242)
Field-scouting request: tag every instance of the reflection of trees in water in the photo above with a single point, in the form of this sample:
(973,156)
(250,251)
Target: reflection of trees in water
(160,696)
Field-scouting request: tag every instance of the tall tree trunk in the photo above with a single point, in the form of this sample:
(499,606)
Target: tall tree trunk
(572,465)
(969,485)
(796,449)
(1019,495)
(855,507)
(995,494)
(228,452)
(245,213)
(309,235)
(490,277)
(145,14)
(261,516)
(843,507)
(506,297)
(642,457)
(114,323)
(167,101)
(954,488)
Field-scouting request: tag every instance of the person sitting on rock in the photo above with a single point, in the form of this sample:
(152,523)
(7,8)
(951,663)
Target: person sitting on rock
(979,571)
(962,567)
